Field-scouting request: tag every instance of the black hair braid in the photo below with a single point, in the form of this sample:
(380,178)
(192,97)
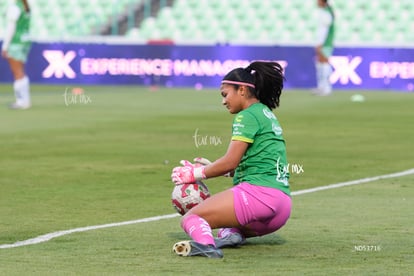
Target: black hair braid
(268,80)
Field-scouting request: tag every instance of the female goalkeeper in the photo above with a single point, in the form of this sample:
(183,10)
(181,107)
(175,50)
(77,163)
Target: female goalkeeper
(259,203)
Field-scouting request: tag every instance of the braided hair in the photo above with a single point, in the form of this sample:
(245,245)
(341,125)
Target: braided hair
(264,80)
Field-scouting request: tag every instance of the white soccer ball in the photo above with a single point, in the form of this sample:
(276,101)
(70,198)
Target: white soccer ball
(186,196)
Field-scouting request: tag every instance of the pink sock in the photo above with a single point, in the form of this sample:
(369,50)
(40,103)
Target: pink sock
(198,229)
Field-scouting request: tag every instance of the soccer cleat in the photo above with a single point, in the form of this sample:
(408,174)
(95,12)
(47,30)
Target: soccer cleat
(320,92)
(19,106)
(323,94)
(192,248)
(316,91)
(232,240)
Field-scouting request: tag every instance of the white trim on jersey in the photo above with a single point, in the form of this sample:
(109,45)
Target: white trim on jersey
(325,20)
(13,14)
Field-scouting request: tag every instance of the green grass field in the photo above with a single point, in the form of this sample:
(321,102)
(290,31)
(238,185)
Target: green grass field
(107,157)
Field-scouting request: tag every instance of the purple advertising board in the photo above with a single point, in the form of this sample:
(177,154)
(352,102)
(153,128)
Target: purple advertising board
(204,66)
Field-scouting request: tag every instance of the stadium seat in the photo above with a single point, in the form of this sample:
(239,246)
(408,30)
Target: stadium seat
(211,21)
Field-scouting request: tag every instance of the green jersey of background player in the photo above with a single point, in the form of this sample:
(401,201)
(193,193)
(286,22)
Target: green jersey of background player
(324,47)
(15,48)
(20,42)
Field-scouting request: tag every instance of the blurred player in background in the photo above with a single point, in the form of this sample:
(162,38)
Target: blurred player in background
(15,48)
(259,203)
(324,48)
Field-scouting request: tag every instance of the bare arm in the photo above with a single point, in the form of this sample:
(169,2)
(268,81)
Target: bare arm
(229,161)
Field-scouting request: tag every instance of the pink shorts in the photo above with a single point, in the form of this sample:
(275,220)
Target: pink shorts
(262,209)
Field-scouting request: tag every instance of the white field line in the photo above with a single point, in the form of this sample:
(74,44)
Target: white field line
(47,237)
(354,182)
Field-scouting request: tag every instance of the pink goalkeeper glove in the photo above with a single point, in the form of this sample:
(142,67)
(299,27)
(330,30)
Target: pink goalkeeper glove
(199,161)
(188,173)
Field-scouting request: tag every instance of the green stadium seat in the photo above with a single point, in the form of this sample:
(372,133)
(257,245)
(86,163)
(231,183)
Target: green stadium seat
(293,21)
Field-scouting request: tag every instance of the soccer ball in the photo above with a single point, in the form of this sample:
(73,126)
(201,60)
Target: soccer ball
(186,196)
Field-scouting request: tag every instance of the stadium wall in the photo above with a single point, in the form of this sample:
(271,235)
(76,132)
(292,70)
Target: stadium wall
(203,66)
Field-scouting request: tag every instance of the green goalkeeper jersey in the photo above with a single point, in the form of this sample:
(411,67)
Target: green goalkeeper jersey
(264,162)
(21,35)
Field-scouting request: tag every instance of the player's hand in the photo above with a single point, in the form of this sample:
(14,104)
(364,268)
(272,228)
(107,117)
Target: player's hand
(182,175)
(199,161)
(187,163)
(188,173)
